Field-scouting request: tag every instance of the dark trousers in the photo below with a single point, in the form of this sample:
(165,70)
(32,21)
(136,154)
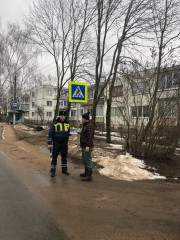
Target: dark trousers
(87,159)
(57,148)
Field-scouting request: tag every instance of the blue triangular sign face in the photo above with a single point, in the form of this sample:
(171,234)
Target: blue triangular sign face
(78,93)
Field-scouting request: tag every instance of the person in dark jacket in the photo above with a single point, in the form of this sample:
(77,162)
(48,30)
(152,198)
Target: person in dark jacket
(58,136)
(86,141)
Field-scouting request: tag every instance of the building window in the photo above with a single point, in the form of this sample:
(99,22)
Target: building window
(33,94)
(26,114)
(25,99)
(25,107)
(176,78)
(49,114)
(73,105)
(55,92)
(117,91)
(33,104)
(49,103)
(73,113)
(116,112)
(99,111)
(65,103)
(140,111)
(90,110)
(32,114)
(90,93)
(65,92)
(168,108)
(140,87)
(169,80)
(49,92)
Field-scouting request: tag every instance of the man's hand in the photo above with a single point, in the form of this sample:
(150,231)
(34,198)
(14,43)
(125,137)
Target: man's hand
(50,146)
(87,149)
(79,131)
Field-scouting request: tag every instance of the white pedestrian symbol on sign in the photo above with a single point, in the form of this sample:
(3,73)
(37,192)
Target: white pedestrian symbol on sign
(78,93)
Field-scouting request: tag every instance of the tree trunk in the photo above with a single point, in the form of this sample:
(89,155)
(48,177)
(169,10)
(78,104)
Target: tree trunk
(128,138)
(68,111)
(95,103)
(108,122)
(178,122)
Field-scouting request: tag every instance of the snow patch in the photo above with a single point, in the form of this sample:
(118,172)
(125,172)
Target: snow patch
(112,138)
(22,148)
(125,167)
(115,146)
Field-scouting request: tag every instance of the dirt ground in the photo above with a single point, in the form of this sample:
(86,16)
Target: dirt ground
(105,209)
(170,168)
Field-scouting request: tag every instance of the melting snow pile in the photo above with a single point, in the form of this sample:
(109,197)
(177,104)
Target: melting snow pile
(26,129)
(115,146)
(125,167)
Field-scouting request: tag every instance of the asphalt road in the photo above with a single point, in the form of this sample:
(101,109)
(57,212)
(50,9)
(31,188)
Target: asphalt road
(22,216)
(35,206)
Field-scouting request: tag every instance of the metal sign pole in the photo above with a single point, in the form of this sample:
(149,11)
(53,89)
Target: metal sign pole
(77,123)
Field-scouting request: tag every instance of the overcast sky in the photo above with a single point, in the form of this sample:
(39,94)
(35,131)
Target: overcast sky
(13,10)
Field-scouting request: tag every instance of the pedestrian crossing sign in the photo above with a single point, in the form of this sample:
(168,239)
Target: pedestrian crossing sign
(78,92)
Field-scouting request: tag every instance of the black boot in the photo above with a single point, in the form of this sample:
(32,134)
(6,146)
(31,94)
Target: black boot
(83,174)
(88,177)
(53,172)
(65,172)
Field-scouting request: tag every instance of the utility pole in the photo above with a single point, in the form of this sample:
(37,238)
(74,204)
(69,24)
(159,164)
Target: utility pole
(14,99)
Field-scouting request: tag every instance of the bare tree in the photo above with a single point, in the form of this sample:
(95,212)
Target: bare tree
(154,92)
(78,50)
(17,53)
(105,18)
(40,113)
(2,75)
(58,28)
(135,21)
(166,31)
(161,140)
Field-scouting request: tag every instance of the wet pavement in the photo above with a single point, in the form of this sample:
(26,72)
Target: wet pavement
(22,216)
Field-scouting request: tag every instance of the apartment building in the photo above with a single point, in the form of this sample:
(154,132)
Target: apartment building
(133,95)
(24,105)
(43,104)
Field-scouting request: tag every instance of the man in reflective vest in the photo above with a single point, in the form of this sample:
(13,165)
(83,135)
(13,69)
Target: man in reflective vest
(58,136)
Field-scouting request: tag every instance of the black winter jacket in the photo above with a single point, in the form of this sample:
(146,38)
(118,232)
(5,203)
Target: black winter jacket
(59,132)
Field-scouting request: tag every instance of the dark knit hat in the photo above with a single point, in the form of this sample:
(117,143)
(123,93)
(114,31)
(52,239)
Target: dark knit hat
(62,112)
(86,115)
